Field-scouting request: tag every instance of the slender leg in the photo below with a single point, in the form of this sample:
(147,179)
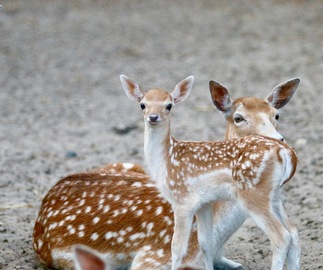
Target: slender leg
(205,237)
(278,235)
(293,255)
(228,217)
(182,230)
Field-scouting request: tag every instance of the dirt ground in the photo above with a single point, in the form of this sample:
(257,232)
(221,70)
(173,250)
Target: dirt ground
(62,108)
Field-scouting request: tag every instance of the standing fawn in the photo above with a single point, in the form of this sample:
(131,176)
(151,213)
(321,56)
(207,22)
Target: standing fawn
(191,175)
(53,233)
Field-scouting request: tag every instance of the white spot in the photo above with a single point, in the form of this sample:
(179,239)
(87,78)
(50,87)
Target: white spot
(150,226)
(87,209)
(136,236)
(137,184)
(128,166)
(81,227)
(82,202)
(106,208)
(160,253)
(162,233)
(81,234)
(40,243)
(110,235)
(120,239)
(166,239)
(94,236)
(96,220)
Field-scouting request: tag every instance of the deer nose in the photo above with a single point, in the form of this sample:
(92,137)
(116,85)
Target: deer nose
(153,117)
(282,139)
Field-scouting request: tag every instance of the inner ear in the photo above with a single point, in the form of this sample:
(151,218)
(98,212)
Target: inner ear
(182,90)
(220,97)
(131,88)
(282,93)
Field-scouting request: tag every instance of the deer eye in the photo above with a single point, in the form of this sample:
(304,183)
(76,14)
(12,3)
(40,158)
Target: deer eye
(142,106)
(238,119)
(169,107)
(277,116)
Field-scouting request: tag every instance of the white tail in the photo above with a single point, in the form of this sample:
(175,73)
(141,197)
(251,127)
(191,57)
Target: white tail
(56,217)
(191,175)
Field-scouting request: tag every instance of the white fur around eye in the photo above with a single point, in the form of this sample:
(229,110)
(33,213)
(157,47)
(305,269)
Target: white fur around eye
(238,119)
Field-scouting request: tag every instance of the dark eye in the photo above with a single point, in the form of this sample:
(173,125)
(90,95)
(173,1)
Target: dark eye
(277,116)
(142,106)
(169,107)
(238,118)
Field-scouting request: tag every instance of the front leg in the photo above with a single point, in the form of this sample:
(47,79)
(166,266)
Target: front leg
(205,236)
(182,229)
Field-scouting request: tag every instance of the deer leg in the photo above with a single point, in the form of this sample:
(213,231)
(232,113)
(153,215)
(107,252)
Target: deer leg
(227,264)
(228,216)
(278,235)
(293,255)
(205,236)
(182,229)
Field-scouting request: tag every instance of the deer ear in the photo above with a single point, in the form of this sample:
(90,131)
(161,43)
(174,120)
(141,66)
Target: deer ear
(87,260)
(282,93)
(182,89)
(131,88)
(220,97)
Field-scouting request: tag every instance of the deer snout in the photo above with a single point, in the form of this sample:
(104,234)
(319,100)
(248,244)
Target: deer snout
(153,118)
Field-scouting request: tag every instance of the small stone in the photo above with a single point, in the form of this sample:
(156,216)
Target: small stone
(70,154)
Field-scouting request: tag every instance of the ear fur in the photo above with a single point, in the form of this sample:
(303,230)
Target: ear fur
(86,259)
(182,89)
(131,88)
(220,97)
(282,93)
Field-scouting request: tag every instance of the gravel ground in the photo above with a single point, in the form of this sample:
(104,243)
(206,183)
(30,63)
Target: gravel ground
(62,109)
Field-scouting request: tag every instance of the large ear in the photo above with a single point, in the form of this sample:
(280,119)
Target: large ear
(131,88)
(87,260)
(282,93)
(182,89)
(220,97)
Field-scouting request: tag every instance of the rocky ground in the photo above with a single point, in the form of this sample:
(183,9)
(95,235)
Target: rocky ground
(62,109)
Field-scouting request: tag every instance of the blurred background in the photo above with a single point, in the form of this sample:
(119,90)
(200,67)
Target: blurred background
(62,108)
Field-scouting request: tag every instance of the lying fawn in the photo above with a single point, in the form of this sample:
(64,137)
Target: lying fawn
(191,175)
(55,250)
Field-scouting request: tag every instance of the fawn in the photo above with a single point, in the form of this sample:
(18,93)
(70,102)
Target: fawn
(53,244)
(192,175)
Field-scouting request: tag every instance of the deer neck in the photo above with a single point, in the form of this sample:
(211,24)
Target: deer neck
(230,132)
(157,141)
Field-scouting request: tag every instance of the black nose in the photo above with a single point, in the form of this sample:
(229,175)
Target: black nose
(283,139)
(153,117)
